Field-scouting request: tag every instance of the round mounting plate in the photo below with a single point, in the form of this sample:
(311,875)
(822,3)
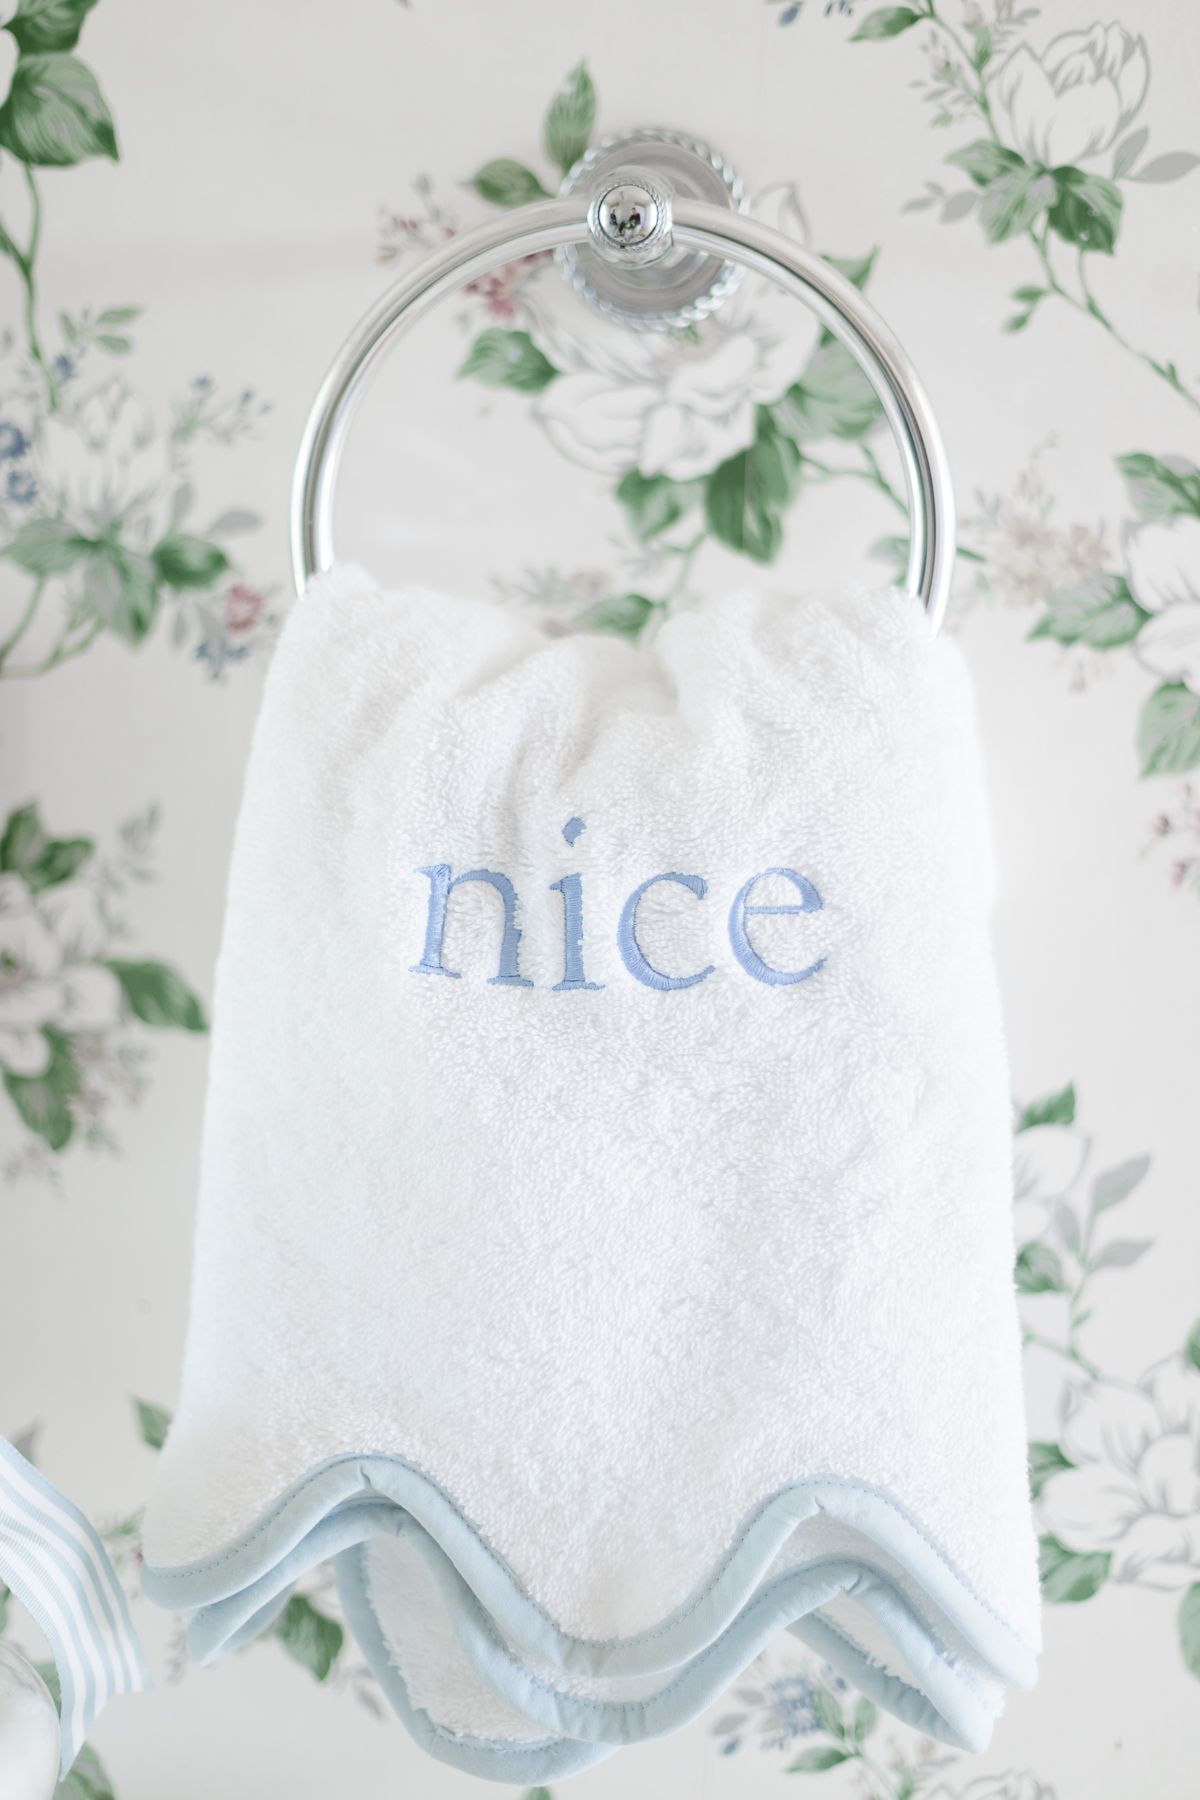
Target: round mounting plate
(683,286)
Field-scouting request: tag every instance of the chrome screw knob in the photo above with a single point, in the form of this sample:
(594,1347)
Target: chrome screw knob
(628,215)
(630,219)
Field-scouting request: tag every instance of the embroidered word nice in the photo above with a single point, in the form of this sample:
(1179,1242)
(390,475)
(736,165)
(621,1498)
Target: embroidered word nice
(443,881)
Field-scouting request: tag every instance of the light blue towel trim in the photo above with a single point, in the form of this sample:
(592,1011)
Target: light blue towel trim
(345,1502)
(951,1712)
(491,1759)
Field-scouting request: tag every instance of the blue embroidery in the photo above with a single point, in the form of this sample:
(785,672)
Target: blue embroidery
(743,949)
(631,951)
(441,885)
(442,882)
(571,889)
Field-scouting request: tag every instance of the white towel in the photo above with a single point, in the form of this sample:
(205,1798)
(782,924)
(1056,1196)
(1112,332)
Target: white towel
(604,1243)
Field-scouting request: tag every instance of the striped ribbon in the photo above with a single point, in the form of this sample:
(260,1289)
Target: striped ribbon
(52,1559)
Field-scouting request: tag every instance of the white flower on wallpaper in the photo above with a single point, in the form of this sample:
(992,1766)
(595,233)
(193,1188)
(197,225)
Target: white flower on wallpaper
(95,497)
(102,460)
(1133,1490)
(1076,99)
(8,47)
(1011,1785)
(48,973)
(670,404)
(1163,566)
(75,1005)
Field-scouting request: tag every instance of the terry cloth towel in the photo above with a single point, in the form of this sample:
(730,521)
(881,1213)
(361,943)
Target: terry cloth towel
(604,1237)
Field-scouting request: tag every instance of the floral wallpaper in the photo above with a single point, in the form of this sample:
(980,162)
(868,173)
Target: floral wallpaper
(1014,185)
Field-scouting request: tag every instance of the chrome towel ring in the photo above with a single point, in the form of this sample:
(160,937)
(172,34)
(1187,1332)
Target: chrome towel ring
(639,223)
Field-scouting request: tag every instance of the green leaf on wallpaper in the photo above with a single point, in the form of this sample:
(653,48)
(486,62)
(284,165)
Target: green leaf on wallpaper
(506,182)
(121,587)
(153,1423)
(1070,1576)
(41,25)
(1012,204)
(509,359)
(59,861)
(888,22)
(1128,151)
(1114,1185)
(158,995)
(983,47)
(1069,1229)
(832,398)
(1051,1109)
(87,1779)
(855,268)
(1029,298)
(1171,167)
(1192,1348)
(986,161)
(46,547)
(621,615)
(39,860)
(22,840)
(1121,1253)
(1161,487)
(653,503)
(1101,613)
(892,549)
(309,1637)
(1087,210)
(567,131)
(537,1794)
(1038,1270)
(745,496)
(233,521)
(44,1101)
(828,1712)
(55,114)
(1168,735)
(866,1717)
(1045,1459)
(815,1761)
(184,561)
(1189,1628)
(5,1596)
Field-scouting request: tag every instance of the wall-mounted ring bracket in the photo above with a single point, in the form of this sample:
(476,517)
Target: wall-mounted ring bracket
(678,287)
(636,216)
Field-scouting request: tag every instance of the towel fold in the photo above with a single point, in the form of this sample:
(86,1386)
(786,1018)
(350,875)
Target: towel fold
(604,1243)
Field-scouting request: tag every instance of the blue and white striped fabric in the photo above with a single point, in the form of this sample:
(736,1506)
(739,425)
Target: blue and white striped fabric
(52,1559)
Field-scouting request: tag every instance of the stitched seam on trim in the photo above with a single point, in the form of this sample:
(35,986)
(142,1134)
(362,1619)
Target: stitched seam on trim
(205,1565)
(494,1746)
(625,1708)
(622,1707)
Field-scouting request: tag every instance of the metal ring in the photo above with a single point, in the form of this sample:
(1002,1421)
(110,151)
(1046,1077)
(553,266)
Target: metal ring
(696,225)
